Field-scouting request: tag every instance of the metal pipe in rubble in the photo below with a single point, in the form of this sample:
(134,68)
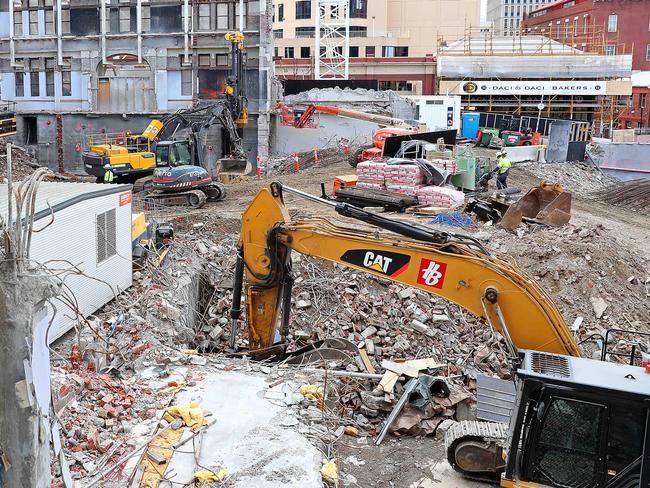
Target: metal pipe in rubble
(235,311)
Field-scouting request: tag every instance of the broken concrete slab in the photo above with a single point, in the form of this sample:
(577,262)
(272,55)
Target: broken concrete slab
(247,440)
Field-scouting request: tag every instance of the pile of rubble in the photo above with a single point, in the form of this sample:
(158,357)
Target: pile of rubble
(301,161)
(22,162)
(577,177)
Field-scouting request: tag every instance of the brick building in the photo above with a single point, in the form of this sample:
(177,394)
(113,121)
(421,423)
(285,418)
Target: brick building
(598,26)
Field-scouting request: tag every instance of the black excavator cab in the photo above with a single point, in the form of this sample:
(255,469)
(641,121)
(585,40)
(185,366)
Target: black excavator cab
(580,423)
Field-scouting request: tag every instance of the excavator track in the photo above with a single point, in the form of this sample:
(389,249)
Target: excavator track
(190,198)
(475,449)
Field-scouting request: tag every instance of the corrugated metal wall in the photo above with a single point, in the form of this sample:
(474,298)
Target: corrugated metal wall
(73,237)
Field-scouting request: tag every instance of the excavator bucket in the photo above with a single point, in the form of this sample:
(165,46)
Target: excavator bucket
(547,204)
(229,169)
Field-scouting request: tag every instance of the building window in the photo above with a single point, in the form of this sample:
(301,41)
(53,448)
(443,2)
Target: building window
(276,54)
(205,16)
(204,60)
(575,27)
(642,99)
(245,19)
(288,52)
(302,32)
(647,52)
(84,21)
(402,86)
(305,52)
(278,33)
(358,31)
(33,22)
(186,83)
(612,23)
(395,51)
(166,18)
(610,50)
(34,77)
(585,24)
(303,9)
(66,84)
(370,51)
(106,233)
(18,23)
(358,9)
(49,83)
(281,12)
(20,83)
(49,22)
(222,16)
(354,51)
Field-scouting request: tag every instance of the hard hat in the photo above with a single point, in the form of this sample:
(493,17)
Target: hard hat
(501,154)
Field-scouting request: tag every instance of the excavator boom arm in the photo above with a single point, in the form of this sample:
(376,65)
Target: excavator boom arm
(352,114)
(482,284)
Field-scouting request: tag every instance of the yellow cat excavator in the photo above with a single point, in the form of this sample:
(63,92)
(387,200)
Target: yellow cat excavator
(575,422)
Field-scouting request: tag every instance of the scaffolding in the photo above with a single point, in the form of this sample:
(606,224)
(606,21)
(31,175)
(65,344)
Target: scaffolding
(332,61)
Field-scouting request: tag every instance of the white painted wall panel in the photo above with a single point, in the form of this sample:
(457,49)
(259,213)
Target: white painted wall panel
(72,238)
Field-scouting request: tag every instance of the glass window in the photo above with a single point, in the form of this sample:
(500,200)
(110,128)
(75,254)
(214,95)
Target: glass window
(626,428)
(612,23)
(647,52)
(222,16)
(49,83)
(305,52)
(183,154)
(204,60)
(358,31)
(33,22)
(186,82)
(610,50)
(162,155)
(354,51)
(288,52)
(370,51)
(245,16)
(204,16)
(49,21)
(281,12)
(20,83)
(566,453)
(585,24)
(303,32)
(34,83)
(303,9)
(66,83)
(278,33)
(395,51)
(358,9)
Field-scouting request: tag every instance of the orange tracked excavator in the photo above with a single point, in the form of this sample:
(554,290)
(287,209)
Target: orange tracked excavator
(575,422)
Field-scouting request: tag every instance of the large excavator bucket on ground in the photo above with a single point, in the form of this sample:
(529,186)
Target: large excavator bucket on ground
(229,169)
(547,204)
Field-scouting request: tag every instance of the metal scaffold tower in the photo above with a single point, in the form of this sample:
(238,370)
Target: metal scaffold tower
(332,40)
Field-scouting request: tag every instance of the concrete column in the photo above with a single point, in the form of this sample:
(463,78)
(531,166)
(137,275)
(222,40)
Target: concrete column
(102,20)
(139,29)
(24,428)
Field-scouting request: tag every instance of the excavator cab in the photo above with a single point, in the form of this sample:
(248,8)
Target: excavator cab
(173,153)
(577,423)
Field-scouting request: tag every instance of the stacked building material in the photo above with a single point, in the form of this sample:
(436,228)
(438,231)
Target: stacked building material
(404,178)
(371,174)
(450,165)
(439,196)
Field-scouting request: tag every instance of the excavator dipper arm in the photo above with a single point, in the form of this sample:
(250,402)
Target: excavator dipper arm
(443,264)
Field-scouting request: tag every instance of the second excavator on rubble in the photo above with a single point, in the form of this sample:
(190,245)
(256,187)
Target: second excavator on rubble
(575,422)
(171,159)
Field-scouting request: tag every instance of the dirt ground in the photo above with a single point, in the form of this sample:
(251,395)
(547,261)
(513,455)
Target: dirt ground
(602,252)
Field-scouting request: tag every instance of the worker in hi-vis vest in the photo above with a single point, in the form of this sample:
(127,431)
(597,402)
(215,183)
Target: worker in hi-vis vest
(109,176)
(503,170)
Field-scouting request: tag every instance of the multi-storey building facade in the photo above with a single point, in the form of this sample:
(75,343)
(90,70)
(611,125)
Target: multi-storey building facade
(393,42)
(505,16)
(74,67)
(610,27)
